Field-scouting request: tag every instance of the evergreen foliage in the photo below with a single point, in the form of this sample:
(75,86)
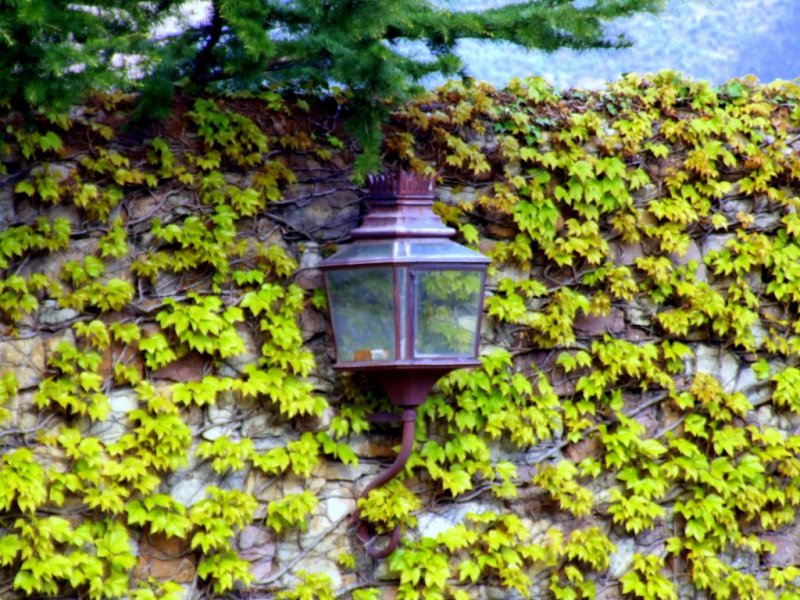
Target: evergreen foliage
(311,44)
(53,50)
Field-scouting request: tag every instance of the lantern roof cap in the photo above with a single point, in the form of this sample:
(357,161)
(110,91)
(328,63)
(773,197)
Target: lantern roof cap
(401,206)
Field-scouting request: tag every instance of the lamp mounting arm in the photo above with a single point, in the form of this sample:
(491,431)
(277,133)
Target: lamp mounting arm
(409,420)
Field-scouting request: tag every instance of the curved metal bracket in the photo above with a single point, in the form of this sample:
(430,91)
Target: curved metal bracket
(409,420)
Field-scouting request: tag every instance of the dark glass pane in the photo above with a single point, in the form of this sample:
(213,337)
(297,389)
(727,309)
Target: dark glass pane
(362,309)
(446,304)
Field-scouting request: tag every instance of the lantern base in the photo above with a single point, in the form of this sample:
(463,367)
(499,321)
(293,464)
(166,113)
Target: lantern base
(408,383)
(410,388)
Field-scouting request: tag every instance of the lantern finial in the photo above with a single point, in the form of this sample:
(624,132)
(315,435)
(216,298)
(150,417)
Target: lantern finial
(401,186)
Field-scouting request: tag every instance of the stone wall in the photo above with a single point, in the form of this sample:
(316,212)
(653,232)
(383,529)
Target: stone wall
(304,203)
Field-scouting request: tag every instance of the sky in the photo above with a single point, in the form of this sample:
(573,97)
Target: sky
(716,40)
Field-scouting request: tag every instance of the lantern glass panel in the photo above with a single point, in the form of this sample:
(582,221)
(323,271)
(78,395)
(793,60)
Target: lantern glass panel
(440,250)
(363,311)
(446,304)
(402,314)
(366,251)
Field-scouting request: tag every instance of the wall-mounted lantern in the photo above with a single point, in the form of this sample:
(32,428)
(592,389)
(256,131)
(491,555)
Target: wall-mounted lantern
(406,304)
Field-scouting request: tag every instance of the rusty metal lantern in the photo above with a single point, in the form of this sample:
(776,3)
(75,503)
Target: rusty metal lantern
(405,304)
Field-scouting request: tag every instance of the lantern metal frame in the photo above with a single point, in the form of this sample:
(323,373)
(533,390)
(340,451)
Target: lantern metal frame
(412,360)
(402,233)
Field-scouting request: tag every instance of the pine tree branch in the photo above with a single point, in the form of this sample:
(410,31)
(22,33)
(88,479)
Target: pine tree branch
(202,63)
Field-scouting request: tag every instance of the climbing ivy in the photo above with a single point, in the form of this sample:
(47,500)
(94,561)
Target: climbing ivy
(632,231)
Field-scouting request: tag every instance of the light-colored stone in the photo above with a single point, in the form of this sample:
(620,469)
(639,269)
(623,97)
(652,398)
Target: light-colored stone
(257,545)
(222,416)
(729,371)
(309,255)
(466,195)
(717,241)
(20,357)
(538,528)
(27,357)
(292,485)
(331,217)
(266,432)
(767,221)
(622,558)
(122,401)
(501,593)
(692,254)
(308,276)
(253,537)
(320,564)
(759,332)
(26,414)
(766,417)
(315,485)
(338,508)
(747,562)
(188,486)
(340,540)
(444,194)
(787,549)
(285,551)
(714,361)
(260,568)
(319,525)
(51,314)
(604,497)
(142,206)
(58,171)
(309,279)
(431,525)
(734,205)
(746,381)
(335,471)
